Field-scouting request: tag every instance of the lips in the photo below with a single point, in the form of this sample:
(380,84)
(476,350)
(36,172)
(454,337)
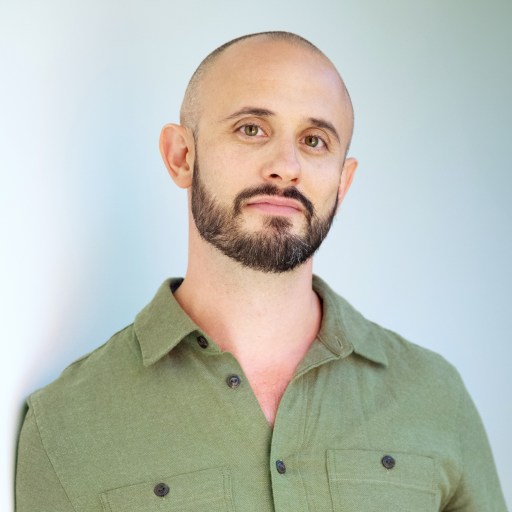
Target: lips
(270,198)
(276,203)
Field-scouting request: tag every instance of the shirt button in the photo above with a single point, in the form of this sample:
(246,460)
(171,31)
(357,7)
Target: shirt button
(233,381)
(202,341)
(161,490)
(281,467)
(388,462)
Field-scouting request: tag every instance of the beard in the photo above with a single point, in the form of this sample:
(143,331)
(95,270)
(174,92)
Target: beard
(273,248)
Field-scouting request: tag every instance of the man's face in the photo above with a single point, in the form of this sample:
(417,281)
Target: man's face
(273,130)
(274,248)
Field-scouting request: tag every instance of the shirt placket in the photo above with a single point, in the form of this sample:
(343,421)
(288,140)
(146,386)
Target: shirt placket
(291,423)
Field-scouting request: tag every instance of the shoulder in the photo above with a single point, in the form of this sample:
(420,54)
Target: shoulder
(90,376)
(97,383)
(409,361)
(404,362)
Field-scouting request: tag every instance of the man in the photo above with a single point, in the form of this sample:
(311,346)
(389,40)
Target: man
(250,385)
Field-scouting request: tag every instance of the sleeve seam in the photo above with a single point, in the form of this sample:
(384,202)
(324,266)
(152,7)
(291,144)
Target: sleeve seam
(31,405)
(458,418)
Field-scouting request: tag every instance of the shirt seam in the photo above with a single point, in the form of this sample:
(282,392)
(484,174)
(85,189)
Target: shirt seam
(315,364)
(385,483)
(459,452)
(48,457)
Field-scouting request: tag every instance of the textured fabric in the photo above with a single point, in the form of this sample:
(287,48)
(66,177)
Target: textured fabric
(152,406)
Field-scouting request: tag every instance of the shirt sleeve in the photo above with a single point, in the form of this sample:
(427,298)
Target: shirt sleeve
(37,485)
(478,489)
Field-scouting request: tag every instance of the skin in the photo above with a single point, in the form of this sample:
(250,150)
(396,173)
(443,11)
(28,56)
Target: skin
(269,112)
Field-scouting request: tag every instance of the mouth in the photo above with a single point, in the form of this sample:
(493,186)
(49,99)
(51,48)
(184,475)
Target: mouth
(275,205)
(270,199)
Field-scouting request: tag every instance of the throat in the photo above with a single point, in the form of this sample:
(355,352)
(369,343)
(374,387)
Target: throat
(269,387)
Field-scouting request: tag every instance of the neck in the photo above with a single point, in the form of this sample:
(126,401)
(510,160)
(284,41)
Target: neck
(266,321)
(249,313)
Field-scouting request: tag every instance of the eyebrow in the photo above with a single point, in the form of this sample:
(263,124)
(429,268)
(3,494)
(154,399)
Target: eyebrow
(263,112)
(326,125)
(253,111)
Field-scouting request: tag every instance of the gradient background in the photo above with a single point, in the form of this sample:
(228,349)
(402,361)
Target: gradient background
(91,224)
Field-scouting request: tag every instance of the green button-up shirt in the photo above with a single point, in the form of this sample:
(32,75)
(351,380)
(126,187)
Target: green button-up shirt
(151,421)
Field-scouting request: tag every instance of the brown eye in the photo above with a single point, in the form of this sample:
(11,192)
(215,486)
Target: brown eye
(251,130)
(312,141)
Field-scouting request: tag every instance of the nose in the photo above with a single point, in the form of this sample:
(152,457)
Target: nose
(283,166)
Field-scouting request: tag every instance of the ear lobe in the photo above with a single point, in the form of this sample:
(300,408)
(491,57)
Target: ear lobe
(347,175)
(177,150)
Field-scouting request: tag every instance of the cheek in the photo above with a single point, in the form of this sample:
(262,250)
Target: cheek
(323,184)
(219,179)
(227,171)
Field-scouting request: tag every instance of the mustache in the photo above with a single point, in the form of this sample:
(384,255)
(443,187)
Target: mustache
(272,190)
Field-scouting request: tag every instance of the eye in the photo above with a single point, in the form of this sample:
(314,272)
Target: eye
(251,130)
(314,141)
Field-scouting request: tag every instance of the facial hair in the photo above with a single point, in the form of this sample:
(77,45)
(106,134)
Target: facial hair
(272,249)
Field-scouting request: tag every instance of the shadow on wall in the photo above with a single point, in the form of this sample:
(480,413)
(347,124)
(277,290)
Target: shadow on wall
(21,413)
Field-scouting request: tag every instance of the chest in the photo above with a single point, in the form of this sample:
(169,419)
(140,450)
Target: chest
(269,381)
(207,442)
(188,423)
(268,390)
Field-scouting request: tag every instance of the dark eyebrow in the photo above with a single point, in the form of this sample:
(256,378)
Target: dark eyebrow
(326,125)
(251,111)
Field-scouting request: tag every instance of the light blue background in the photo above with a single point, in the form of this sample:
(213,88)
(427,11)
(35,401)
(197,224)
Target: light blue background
(91,223)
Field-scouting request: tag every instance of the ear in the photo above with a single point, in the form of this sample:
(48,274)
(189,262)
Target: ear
(347,175)
(178,152)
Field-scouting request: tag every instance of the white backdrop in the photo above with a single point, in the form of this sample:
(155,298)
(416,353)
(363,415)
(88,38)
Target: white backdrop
(91,223)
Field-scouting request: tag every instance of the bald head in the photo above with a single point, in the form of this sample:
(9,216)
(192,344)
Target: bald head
(192,105)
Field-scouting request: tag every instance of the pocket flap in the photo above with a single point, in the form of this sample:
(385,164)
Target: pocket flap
(395,468)
(201,491)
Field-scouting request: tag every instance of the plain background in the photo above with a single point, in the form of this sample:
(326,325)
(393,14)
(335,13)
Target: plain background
(91,224)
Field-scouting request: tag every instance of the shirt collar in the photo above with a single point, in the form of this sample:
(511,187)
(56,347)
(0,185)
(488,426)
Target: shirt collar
(162,324)
(344,330)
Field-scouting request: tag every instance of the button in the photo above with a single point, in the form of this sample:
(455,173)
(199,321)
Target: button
(202,341)
(233,381)
(161,490)
(281,467)
(388,462)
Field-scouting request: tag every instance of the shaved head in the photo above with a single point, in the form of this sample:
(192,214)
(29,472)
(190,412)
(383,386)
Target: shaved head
(266,123)
(191,107)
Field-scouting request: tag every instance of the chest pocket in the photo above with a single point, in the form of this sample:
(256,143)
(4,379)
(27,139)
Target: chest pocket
(208,490)
(376,481)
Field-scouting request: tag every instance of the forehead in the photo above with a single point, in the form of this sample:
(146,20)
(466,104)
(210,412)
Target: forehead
(289,79)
